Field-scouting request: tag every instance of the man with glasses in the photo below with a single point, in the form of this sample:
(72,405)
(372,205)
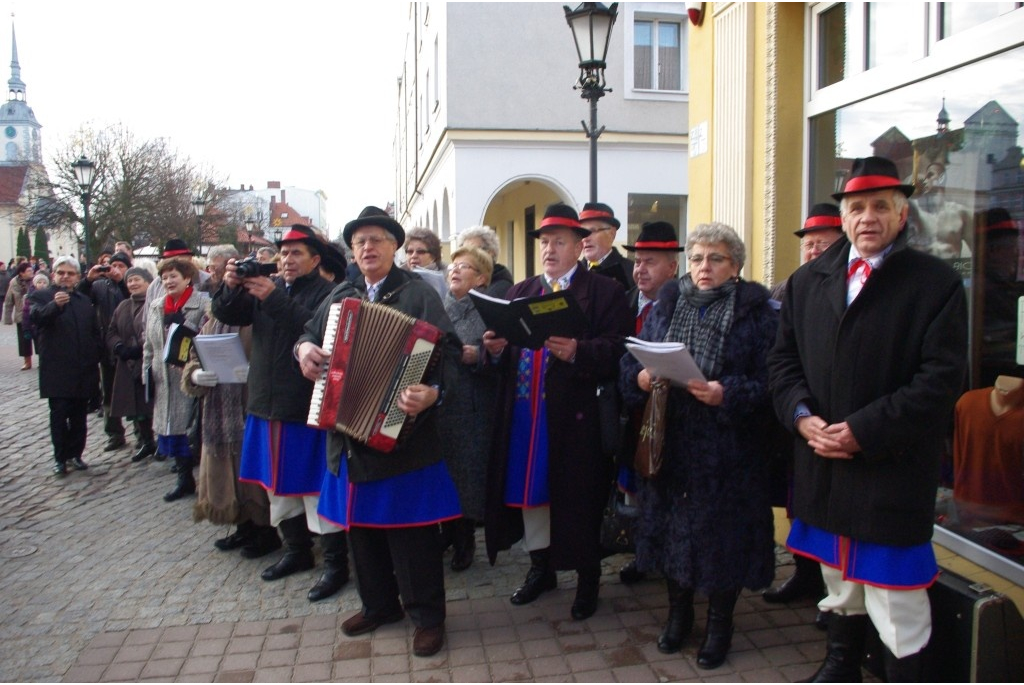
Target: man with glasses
(821,228)
(391,503)
(69,345)
(599,255)
(550,490)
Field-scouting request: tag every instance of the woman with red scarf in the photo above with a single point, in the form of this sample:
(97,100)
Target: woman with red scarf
(172,409)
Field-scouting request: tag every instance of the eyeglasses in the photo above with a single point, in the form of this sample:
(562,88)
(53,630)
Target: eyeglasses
(416,250)
(714,259)
(816,244)
(459,266)
(599,229)
(66,273)
(375,240)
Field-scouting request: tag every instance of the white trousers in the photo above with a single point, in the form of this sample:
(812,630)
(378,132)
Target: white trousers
(903,618)
(536,528)
(282,508)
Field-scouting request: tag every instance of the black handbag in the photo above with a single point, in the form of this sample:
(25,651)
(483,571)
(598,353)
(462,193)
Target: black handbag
(618,522)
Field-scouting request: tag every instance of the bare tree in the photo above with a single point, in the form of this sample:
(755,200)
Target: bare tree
(142,190)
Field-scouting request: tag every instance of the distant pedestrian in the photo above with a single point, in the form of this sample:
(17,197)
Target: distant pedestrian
(13,304)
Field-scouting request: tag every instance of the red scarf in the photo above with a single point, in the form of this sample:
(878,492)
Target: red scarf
(171,305)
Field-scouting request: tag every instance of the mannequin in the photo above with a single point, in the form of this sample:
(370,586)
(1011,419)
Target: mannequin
(988,453)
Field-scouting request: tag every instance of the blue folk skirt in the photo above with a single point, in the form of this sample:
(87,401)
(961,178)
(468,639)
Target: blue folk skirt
(287,458)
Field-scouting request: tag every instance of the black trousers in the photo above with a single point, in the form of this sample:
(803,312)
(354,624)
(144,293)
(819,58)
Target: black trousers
(400,562)
(111,424)
(68,427)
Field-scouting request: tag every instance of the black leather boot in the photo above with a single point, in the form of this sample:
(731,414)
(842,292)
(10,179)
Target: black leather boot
(147,449)
(680,618)
(905,670)
(464,543)
(298,550)
(588,585)
(805,582)
(335,575)
(539,579)
(242,536)
(264,540)
(718,635)
(186,483)
(843,651)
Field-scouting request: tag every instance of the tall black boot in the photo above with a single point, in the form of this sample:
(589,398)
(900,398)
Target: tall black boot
(588,585)
(186,483)
(718,635)
(805,582)
(298,550)
(540,578)
(464,543)
(263,541)
(680,618)
(335,575)
(905,670)
(843,651)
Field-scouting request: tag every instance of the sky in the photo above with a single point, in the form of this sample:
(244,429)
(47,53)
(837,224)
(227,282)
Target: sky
(303,92)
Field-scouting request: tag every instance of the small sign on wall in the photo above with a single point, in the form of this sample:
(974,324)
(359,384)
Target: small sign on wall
(699,139)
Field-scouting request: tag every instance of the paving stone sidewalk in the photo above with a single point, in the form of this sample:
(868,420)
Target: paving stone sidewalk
(103,581)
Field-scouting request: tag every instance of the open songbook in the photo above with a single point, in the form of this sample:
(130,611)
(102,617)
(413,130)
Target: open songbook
(669,360)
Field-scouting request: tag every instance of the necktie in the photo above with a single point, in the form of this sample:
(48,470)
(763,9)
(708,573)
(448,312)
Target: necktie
(556,285)
(642,316)
(857,275)
(371,293)
(593,265)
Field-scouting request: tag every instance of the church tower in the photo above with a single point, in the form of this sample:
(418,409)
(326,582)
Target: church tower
(19,129)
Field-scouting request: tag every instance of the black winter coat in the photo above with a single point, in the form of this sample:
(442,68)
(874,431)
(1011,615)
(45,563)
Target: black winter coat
(69,344)
(892,365)
(706,521)
(277,389)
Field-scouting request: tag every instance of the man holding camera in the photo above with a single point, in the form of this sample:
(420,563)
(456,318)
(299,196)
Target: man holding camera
(105,286)
(279,450)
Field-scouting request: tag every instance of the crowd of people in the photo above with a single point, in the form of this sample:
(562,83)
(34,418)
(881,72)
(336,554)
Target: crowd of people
(849,362)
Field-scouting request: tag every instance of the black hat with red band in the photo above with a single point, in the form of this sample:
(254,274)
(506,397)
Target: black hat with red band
(821,216)
(300,233)
(873,173)
(658,236)
(559,215)
(599,211)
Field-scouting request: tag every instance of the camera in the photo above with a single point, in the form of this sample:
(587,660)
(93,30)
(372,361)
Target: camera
(103,269)
(249,267)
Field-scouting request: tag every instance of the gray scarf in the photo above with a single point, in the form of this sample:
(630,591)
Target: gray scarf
(469,326)
(701,321)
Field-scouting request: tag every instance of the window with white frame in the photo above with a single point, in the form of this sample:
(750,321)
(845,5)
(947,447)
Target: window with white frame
(655,37)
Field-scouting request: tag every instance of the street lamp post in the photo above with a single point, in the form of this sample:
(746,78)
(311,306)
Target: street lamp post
(277,235)
(85,170)
(250,224)
(591,24)
(199,204)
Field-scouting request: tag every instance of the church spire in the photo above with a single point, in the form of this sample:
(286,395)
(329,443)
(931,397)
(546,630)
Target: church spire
(15,86)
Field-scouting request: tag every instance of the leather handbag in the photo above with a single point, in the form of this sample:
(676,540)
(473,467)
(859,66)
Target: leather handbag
(617,523)
(648,458)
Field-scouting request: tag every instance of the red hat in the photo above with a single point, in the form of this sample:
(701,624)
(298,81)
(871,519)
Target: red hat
(821,216)
(300,233)
(873,173)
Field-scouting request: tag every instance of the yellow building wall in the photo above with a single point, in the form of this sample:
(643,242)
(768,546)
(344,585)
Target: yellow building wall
(509,210)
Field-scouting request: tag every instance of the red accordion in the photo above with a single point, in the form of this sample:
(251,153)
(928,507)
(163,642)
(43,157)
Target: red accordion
(375,352)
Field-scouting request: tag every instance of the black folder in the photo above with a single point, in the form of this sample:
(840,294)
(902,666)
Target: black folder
(529,321)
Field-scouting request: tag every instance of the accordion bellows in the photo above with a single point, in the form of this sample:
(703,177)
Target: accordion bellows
(375,352)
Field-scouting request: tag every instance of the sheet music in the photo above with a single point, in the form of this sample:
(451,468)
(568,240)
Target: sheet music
(669,360)
(222,353)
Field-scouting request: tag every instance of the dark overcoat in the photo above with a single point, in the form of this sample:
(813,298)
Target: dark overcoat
(579,474)
(617,267)
(277,389)
(69,344)
(892,365)
(705,519)
(128,327)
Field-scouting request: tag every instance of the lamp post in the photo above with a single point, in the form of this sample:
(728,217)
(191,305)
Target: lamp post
(199,204)
(85,170)
(250,224)
(277,235)
(591,25)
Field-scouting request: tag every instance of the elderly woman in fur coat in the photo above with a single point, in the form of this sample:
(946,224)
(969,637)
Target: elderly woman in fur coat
(706,522)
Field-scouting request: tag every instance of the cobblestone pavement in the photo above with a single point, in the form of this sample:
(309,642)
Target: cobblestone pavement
(103,580)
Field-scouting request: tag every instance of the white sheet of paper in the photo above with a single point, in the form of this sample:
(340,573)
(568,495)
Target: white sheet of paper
(221,353)
(669,360)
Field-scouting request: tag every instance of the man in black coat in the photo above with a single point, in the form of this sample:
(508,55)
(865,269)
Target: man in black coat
(106,288)
(599,255)
(279,450)
(870,358)
(69,345)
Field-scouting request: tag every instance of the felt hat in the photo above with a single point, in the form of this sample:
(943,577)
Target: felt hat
(175,247)
(599,210)
(374,216)
(873,173)
(333,259)
(559,215)
(658,236)
(121,257)
(998,220)
(822,216)
(300,233)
